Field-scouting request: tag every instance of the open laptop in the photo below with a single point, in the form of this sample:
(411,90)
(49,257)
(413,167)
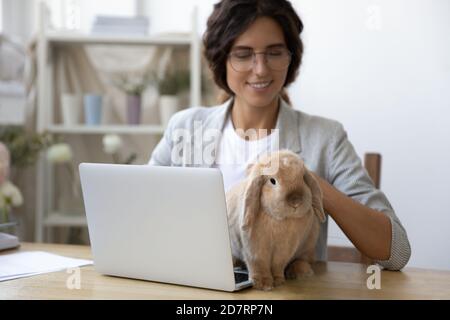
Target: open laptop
(164,224)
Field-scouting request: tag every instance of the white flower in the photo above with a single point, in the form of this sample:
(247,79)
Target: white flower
(10,194)
(111,143)
(59,153)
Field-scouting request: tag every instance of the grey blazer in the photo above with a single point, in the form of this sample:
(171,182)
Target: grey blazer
(323,145)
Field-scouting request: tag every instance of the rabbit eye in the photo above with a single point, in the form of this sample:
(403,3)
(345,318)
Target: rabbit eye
(273,181)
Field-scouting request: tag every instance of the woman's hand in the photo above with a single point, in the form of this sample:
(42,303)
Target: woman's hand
(369,230)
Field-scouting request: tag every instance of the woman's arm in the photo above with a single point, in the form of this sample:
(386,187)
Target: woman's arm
(362,212)
(369,230)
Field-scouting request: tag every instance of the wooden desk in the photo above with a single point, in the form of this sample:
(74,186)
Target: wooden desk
(333,280)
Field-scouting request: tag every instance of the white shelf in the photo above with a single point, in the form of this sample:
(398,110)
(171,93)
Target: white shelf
(49,42)
(77,38)
(59,219)
(105,129)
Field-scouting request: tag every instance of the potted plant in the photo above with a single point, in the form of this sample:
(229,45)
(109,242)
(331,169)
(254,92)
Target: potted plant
(169,87)
(133,85)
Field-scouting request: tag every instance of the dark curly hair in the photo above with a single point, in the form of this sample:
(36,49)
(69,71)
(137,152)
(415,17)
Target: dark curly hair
(230,18)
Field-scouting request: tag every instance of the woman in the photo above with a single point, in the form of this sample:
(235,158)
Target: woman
(254,51)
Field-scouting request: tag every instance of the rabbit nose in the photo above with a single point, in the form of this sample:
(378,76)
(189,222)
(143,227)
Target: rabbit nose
(294,199)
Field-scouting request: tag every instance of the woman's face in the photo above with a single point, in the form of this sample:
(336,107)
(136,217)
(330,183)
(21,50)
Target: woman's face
(260,86)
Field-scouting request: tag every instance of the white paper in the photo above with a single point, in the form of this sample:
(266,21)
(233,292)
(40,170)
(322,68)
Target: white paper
(28,263)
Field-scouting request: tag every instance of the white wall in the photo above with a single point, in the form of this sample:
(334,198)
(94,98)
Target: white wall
(164,17)
(18,19)
(388,82)
(79,14)
(382,68)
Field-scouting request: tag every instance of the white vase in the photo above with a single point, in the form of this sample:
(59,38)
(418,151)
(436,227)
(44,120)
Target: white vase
(168,105)
(71,109)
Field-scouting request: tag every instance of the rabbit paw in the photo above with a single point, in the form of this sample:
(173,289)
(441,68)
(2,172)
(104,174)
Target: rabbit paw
(299,269)
(262,283)
(278,280)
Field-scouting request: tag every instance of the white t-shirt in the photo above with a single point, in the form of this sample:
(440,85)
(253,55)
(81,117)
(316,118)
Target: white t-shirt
(235,153)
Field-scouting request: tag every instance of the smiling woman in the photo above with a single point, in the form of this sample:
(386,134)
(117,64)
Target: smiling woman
(282,29)
(254,51)
(257,66)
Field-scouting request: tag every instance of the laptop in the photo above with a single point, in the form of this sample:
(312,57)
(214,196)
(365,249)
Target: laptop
(163,224)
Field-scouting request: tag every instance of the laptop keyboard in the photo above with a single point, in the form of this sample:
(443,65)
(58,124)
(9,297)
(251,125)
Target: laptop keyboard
(240,276)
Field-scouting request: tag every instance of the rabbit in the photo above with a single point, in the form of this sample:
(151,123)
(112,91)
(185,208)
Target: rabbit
(274,220)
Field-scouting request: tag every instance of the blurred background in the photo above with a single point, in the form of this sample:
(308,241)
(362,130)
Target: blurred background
(96,81)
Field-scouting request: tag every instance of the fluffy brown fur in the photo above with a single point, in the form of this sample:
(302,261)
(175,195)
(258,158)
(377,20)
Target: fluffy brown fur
(274,227)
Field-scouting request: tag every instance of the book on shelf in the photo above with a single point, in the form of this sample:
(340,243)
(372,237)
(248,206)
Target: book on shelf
(120,25)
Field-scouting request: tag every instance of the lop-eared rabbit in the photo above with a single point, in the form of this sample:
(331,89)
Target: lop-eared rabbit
(274,219)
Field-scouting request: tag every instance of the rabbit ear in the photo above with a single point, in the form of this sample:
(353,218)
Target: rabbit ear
(252,201)
(316,195)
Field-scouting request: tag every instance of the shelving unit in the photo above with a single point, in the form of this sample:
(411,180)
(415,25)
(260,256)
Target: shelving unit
(46,216)
(70,38)
(119,129)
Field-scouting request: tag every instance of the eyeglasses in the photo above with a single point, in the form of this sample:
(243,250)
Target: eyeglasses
(243,60)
